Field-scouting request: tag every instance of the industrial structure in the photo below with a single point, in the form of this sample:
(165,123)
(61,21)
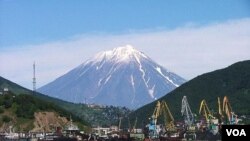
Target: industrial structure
(206,126)
(186,112)
(34,78)
(168,129)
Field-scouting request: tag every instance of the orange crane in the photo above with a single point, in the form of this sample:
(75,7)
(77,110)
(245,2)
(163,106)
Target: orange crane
(231,116)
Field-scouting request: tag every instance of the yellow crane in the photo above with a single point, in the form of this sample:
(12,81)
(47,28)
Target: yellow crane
(212,122)
(168,118)
(220,111)
(156,113)
(204,110)
(161,109)
(152,126)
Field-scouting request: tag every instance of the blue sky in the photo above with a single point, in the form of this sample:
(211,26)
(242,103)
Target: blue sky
(31,21)
(189,37)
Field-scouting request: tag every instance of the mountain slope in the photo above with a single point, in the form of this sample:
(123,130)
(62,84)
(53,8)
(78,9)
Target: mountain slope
(120,77)
(17,89)
(21,111)
(94,116)
(233,81)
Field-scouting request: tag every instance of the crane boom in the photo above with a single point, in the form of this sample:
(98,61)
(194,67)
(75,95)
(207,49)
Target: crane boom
(134,126)
(156,112)
(153,133)
(168,118)
(232,118)
(186,112)
(161,109)
(204,110)
(219,106)
(119,125)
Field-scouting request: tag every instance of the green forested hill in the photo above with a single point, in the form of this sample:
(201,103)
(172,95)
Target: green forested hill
(102,116)
(17,90)
(19,111)
(233,81)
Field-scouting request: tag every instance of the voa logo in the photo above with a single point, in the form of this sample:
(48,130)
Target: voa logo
(236,132)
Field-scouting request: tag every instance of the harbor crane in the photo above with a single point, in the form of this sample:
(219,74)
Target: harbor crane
(186,112)
(231,116)
(119,124)
(188,119)
(220,110)
(168,118)
(153,131)
(161,109)
(134,126)
(204,110)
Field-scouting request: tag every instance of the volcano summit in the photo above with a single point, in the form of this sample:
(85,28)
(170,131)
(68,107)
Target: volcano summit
(120,77)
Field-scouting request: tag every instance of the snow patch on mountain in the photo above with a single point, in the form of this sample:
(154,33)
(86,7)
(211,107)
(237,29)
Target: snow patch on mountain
(123,76)
(159,70)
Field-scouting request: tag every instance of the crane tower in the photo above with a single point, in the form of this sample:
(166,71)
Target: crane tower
(186,112)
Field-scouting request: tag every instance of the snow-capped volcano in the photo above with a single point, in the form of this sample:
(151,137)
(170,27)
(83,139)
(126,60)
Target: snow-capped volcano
(121,54)
(120,77)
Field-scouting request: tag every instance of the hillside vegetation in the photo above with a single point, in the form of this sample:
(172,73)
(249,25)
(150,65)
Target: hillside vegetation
(233,81)
(20,112)
(91,116)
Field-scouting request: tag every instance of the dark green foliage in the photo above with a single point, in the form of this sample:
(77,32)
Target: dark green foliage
(1,110)
(7,100)
(26,106)
(62,107)
(79,112)
(233,82)
(6,118)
